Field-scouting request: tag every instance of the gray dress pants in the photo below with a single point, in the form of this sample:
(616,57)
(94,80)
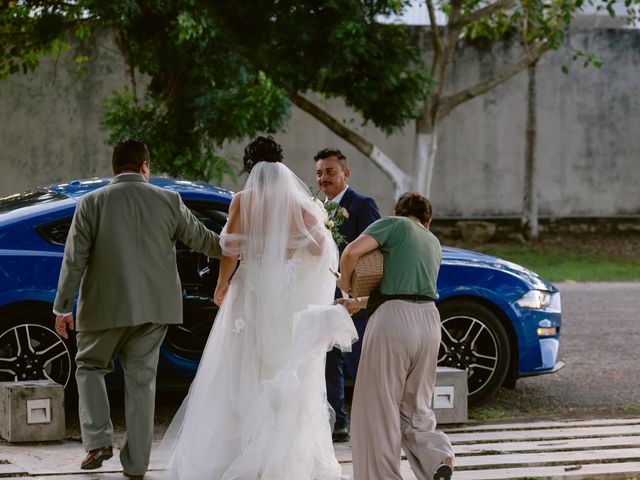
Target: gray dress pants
(138,349)
(393,393)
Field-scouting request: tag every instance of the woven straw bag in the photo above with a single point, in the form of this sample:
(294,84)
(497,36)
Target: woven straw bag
(367,275)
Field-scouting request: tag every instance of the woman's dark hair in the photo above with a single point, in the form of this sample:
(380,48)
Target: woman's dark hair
(128,156)
(415,205)
(261,149)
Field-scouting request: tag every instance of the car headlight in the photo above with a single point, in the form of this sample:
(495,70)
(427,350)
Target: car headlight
(535,299)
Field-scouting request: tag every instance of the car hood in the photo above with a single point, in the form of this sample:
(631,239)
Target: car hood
(458,256)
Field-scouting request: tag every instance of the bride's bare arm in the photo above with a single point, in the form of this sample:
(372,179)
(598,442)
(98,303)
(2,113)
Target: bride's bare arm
(315,228)
(228,263)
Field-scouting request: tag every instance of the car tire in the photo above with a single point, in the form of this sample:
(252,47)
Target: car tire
(30,349)
(474,339)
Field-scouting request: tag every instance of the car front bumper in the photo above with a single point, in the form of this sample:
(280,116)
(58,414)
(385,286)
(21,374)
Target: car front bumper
(540,338)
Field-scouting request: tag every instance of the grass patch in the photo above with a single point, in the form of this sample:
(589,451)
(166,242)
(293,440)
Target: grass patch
(487,413)
(557,263)
(632,408)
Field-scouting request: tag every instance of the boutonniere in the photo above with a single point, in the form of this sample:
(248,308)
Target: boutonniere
(334,216)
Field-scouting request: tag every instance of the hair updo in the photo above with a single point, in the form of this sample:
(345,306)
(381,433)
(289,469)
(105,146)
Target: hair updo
(415,205)
(261,149)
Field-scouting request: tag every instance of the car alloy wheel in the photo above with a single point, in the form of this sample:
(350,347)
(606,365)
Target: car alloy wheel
(29,351)
(474,339)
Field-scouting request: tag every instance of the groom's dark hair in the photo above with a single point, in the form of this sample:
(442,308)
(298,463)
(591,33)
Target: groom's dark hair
(128,156)
(331,152)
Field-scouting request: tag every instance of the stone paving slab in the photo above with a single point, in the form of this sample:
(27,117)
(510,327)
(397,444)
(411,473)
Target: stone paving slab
(7,469)
(61,461)
(60,458)
(572,456)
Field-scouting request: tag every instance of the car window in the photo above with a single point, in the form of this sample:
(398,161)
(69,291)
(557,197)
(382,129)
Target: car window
(28,199)
(213,216)
(55,232)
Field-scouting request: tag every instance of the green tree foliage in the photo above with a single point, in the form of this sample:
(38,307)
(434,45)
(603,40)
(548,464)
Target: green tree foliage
(224,70)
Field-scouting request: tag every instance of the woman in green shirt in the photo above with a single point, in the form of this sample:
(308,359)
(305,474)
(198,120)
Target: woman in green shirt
(397,373)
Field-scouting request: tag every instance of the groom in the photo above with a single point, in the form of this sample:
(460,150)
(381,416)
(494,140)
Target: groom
(332,174)
(121,253)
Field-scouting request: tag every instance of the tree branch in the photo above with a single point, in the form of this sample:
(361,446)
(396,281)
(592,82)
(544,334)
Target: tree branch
(125,49)
(363,145)
(435,32)
(66,26)
(442,57)
(482,13)
(331,123)
(447,104)
(456,6)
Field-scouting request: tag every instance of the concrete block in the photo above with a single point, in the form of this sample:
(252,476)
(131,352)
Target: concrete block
(450,395)
(477,231)
(32,411)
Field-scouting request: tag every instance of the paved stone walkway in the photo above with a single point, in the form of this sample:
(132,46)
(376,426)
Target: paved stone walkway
(588,449)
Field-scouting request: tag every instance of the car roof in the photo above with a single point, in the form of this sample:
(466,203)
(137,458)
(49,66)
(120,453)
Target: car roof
(191,189)
(62,196)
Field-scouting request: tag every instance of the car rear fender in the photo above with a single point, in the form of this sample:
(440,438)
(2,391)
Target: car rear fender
(28,276)
(13,300)
(17,306)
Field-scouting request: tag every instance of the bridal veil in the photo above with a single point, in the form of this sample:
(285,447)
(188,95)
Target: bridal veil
(257,407)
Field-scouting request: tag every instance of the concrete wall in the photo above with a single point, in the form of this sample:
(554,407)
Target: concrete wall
(587,146)
(49,120)
(588,134)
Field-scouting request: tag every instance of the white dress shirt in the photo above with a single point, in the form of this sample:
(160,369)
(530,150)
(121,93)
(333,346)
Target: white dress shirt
(338,197)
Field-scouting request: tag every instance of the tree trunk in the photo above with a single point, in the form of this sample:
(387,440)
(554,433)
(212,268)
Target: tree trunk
(530,210)
(426,147)
(125,49)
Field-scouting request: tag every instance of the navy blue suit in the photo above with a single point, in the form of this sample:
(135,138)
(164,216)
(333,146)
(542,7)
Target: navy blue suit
(362,212)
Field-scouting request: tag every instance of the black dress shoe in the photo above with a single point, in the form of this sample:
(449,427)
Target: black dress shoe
(443,472)
(95,458)
(340,435)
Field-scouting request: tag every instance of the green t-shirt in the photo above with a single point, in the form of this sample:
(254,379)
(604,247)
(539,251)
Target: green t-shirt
(412,256)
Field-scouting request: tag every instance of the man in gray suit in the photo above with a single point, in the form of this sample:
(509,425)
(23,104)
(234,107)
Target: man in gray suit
(121,253)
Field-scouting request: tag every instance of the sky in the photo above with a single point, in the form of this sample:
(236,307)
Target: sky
(417,14)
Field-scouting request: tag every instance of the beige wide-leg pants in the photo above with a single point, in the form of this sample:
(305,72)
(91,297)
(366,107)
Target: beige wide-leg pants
(393,392)
(138,349)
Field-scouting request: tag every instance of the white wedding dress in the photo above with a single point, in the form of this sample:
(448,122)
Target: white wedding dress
(257,407)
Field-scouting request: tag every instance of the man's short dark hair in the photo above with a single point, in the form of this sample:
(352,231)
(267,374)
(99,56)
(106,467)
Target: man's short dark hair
(331,152)
(128,156)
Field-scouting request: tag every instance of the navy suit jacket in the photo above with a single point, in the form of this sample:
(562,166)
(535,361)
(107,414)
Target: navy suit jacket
(363,211)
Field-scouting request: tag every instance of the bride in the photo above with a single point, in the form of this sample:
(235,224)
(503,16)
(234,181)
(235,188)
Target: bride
(257,407)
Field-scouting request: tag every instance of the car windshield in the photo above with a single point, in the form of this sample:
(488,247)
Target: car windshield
(28,199)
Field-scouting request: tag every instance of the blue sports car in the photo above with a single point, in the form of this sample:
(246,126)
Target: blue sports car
(500,321)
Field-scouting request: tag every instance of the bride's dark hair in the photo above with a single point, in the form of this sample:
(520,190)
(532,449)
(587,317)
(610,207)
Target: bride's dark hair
(261,149)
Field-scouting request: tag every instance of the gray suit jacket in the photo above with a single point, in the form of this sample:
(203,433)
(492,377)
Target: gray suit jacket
(121,253)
